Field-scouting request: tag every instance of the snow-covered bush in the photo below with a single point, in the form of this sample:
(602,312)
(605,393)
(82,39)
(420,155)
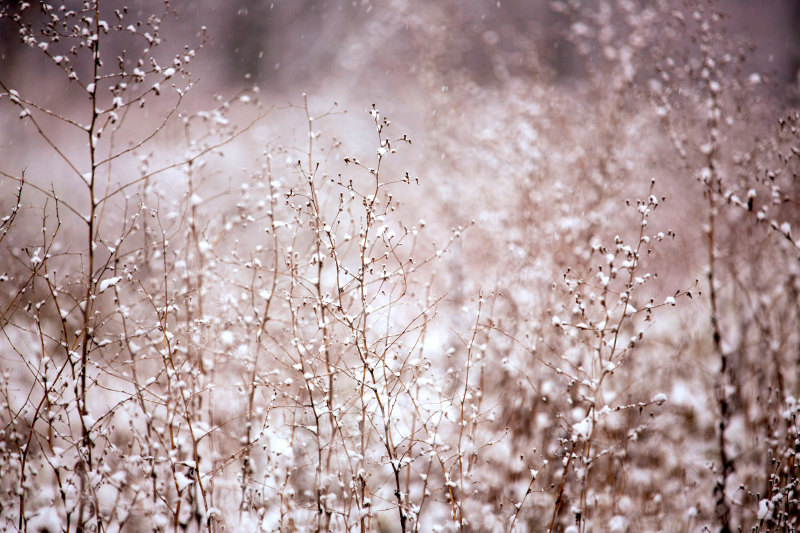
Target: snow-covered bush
(581,316)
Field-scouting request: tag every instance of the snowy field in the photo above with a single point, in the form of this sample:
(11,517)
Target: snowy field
(399,266)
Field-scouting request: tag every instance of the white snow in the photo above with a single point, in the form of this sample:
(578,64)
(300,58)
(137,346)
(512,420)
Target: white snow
(583,428)
(106,283)
(764,510)
(227,338)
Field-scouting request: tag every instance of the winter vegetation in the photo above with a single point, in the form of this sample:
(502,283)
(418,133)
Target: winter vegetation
(546,293)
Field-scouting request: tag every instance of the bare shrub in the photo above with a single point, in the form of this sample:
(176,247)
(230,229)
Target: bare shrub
(583,317)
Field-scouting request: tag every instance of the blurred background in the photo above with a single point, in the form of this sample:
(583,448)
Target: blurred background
(409,49)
